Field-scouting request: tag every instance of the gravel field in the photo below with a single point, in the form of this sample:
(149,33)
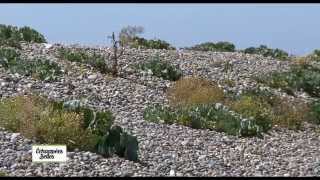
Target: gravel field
(164,150)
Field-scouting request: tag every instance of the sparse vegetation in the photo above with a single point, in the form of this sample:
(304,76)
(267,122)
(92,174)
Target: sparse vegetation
(97,61)
(161,69)
(42,69)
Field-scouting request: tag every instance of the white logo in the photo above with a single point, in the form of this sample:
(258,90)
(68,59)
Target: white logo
(49,153)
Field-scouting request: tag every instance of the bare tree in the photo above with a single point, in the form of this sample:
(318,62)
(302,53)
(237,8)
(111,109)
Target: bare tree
(127,34)
(117,52)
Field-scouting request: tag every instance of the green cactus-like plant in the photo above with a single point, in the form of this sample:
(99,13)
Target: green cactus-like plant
(116,141)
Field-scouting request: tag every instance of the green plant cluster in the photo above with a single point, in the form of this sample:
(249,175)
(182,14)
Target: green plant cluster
(221,46)
(12,35)
(161,69)
(42,69)
(95,60)
(151,44)
(205,116)
(301,77)
(265,51)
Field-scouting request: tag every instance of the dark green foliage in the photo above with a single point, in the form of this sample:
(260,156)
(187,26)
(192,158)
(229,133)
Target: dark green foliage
(116,141)
(12,36)
(221,46)
(161,69)
(95,60)
(151,44)
(206,116)
(265,51)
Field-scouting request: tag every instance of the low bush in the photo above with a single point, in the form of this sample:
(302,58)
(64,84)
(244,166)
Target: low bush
(150,44)
(161,69)
(95,60)
(265,51)
(256,109)
(193,90)
(221,46)
(267,108)
(69,123)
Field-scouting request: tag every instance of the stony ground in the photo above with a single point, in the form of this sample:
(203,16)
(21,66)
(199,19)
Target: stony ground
(164,150)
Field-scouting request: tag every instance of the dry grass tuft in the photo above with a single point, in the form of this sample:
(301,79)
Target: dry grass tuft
(193,90)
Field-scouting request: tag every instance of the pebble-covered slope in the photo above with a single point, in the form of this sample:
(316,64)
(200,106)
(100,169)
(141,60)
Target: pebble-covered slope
(164,149)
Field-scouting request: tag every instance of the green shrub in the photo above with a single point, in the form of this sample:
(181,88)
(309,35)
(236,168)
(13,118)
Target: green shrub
(221,46)
(267,108)
(256,109)
(161,69)
(204,116)
(95,60)
(150,44)
(265,51)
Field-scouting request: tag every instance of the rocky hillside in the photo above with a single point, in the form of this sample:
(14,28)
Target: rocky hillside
(164,149)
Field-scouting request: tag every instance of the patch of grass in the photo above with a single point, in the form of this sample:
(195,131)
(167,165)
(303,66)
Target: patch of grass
(193,90)
(161,69)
